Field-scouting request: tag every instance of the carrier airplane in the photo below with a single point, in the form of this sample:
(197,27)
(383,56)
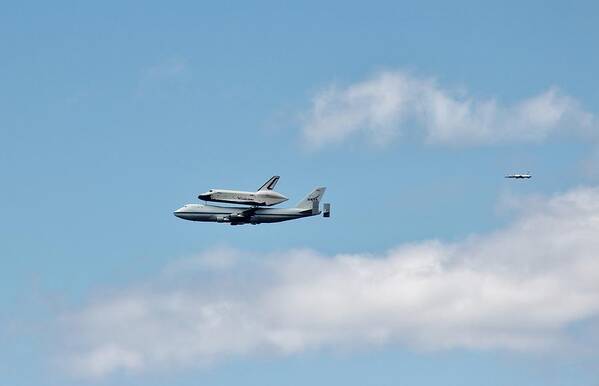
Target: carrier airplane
(518,176)
(309,206)
(265,196)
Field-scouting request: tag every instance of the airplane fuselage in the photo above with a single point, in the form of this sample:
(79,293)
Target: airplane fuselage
(237,216)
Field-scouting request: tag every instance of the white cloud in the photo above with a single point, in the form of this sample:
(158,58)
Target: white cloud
(105,359)
(222,257)
(519,288)
(387,105)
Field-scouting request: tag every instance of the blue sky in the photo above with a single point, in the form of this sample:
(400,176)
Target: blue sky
(115,114)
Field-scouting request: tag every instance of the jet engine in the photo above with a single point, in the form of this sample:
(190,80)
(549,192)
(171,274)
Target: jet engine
(223,219)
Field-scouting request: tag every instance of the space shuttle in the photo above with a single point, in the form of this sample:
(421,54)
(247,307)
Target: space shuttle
(264,196)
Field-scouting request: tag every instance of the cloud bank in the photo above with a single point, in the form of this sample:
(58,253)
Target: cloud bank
(394,102)
(518,288)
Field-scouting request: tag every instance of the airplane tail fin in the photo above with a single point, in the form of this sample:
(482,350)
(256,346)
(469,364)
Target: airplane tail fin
(312,200)
(270,184)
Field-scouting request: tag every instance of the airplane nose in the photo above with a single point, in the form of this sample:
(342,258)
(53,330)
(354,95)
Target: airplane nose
(177,213)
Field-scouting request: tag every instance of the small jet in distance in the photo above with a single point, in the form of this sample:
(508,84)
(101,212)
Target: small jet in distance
(309,206)
(519,176)
(265,196)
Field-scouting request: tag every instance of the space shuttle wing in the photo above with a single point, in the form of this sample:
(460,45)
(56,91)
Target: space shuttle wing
(270,184)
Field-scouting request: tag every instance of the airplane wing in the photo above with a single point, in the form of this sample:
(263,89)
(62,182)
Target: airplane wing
(270,184)
(243,214)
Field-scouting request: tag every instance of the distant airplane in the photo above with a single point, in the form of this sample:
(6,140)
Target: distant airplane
(265,196)
(309,206)
(518,176)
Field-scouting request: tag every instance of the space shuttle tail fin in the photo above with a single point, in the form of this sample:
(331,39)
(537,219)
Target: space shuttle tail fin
(270,184)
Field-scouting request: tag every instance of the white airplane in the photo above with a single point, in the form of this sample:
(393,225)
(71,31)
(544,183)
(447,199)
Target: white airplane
(309,206)
(265,196)
(518,176)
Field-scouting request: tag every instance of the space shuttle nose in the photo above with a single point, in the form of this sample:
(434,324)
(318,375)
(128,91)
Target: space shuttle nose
(204,196)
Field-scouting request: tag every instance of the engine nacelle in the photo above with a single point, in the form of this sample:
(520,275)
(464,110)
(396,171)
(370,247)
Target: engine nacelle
(223,219)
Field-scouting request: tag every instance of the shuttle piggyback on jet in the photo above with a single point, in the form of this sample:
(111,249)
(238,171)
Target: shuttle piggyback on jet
(264,196)
(309,206)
